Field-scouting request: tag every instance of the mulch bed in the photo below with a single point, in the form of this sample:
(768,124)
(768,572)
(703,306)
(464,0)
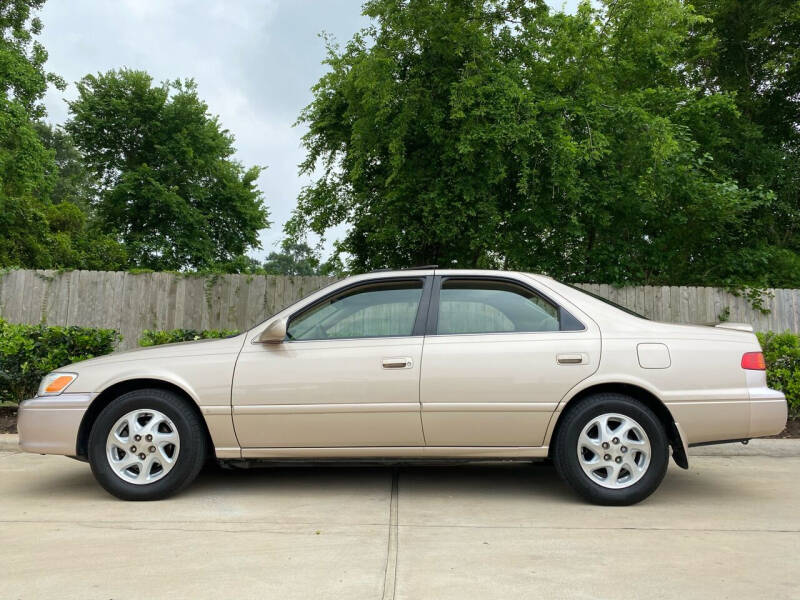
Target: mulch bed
(8,424)
(792,430)
(8,419)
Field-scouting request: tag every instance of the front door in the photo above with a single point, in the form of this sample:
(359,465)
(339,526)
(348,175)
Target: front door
(346,376)
(498,359)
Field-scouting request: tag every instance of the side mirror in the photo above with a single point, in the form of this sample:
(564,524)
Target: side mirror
(274,333)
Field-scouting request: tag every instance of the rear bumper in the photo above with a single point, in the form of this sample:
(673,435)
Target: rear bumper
(763,414)
(49,425)
(768,412)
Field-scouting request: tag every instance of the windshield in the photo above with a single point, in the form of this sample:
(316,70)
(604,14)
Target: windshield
(607,301)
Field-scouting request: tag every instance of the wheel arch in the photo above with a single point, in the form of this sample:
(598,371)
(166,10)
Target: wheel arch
(114,391)
(643,395)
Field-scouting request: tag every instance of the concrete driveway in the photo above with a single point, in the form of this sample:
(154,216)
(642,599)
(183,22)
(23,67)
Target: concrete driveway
(727,528)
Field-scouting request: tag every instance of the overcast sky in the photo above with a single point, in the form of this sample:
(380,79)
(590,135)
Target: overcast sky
(254,63)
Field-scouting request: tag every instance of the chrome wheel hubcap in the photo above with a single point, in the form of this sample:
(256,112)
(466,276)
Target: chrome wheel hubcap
(614,451)
(142,446)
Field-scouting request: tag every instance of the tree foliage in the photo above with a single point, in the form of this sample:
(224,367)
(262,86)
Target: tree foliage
(168,187)
(295,258)
(44,187)
(755,58)
(70,179)
(601,146)
(25,163)
(74,238)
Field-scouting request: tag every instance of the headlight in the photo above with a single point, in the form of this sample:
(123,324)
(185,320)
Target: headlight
(55,383)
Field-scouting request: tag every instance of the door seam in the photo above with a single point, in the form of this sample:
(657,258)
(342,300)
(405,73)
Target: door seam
(419,389)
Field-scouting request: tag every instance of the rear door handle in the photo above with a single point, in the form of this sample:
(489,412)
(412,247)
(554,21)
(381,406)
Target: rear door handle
(570,359)
(402,362)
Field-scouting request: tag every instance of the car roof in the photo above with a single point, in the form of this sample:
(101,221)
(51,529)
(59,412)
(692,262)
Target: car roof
(431,269)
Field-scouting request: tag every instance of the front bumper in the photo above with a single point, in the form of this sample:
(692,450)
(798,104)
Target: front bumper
(50,424)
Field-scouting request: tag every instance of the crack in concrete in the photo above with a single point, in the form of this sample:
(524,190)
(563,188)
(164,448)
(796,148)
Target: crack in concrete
(390,573)
(196,530)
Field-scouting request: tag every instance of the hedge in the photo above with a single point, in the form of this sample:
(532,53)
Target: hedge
(29,352)
(782,353)
(171,336)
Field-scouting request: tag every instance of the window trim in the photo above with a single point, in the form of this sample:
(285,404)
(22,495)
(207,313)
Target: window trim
(419,320)
(607,301)
(434,306)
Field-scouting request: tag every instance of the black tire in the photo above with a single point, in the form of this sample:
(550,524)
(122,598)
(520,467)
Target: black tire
(190,458)
(565,449)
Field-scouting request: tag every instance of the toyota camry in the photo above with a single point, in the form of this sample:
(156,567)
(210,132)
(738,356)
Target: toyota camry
(418,364)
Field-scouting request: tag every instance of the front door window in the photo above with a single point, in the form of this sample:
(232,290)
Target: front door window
(374,310)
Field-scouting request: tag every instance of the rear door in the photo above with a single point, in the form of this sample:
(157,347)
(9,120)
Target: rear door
(499,356)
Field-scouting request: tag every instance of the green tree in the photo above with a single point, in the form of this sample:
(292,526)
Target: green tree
(169,189)
(73,238)
(44,189)
(754,56)
(295,258)
(25,164)
(71,180)
(496,133)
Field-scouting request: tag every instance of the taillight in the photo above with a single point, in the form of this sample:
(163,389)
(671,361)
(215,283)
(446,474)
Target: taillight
(753,361)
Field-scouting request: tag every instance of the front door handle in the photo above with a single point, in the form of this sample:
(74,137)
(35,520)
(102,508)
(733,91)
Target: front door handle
(402,362)
(570,359)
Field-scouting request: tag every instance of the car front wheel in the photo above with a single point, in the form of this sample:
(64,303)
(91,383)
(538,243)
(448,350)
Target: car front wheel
(146,445)
(611,449)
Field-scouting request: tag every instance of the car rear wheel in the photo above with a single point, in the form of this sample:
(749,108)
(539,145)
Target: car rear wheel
(146,445)
(611,449)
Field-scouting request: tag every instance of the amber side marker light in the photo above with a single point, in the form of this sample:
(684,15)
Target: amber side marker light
(754,361)
(59,383)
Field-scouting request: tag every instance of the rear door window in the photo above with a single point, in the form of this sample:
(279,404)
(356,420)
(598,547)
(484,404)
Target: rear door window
(486,306)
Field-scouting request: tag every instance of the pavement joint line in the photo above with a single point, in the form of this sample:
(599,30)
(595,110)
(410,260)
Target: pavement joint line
(648,529)
(121,526)
(390,572)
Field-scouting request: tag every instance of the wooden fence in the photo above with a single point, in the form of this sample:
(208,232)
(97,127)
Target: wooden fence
(132,303)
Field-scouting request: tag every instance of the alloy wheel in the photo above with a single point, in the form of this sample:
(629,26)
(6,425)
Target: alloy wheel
(614,450)
(143,446)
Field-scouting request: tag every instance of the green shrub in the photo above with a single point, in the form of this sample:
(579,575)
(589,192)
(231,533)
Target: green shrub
(156,338)
(29,352)
(782,353)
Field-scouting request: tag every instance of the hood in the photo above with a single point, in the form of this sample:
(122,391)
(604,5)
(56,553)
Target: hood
(193,348)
